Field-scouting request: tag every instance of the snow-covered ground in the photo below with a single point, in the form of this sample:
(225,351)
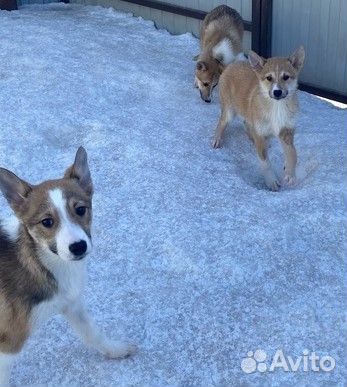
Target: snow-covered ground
(194,259)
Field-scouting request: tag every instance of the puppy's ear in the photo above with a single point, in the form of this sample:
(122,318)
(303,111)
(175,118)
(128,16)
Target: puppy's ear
(201,66)
(14,189)
(297,58)
(79,170)
(256,61)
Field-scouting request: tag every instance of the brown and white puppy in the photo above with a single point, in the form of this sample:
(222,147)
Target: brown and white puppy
(42,260)
(221,36)
(264,93)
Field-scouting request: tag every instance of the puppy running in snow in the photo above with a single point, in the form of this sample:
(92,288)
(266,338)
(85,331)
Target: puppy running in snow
(42,260)
(264,93)
(221,44)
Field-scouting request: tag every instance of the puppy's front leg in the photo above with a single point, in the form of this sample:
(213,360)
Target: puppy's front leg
(89,333)
(269,175)
(287,141)
(6,360)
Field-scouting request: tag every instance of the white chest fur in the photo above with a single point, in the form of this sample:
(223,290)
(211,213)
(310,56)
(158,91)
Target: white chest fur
(279,115)
(71,278)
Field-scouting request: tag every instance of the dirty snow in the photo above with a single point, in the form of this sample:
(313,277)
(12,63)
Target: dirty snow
(194,259)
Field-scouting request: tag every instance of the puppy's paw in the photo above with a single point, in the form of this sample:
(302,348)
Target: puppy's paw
(273,184)
(289,180)
(119,349)
(216,143)
(270,179)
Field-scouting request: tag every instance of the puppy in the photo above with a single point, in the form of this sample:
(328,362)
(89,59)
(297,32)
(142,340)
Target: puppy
(43,260)
(264,93)
(221,44)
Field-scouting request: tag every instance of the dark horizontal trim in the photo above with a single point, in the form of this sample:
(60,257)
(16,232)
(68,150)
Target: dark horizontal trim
(329,94)
(8,5)
(178,10)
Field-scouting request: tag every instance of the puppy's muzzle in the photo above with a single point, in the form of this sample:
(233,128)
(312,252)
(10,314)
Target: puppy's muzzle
(278,94)
(78,249)
(206,99)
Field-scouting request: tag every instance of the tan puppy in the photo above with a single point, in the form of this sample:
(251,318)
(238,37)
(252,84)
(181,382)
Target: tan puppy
(264,93)
(221,44)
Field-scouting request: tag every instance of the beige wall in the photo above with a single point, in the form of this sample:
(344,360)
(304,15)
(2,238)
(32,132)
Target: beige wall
(177,24)
(321,26)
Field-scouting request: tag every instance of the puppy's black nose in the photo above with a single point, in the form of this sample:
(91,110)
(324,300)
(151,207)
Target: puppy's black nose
(207,100)
(277,93)
(78,248)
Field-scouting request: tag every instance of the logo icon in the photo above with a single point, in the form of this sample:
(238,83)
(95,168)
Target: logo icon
(254,362)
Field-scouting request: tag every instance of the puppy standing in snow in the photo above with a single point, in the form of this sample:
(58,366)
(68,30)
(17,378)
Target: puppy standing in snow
(42,260)
(221,44)
(264,93)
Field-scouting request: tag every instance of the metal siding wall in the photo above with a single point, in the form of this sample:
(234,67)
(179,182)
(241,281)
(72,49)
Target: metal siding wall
(177,24)
(25,2)
(321,27)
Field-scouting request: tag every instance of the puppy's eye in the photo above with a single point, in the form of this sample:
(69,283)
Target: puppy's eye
(47,222)
(269,78)
(206,84)
(285,77)
(81,210)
